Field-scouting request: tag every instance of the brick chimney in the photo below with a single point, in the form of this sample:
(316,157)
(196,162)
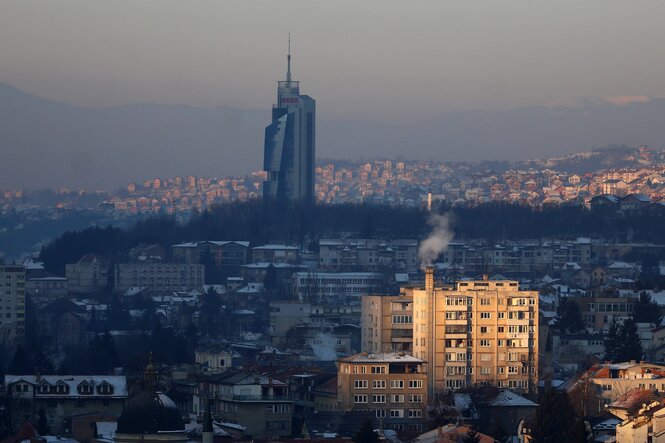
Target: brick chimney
(429,280)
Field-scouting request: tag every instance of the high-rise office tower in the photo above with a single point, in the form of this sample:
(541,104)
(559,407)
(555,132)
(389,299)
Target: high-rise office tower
(289,148)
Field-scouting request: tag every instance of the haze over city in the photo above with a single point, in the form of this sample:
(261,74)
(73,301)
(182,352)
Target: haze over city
(445,80)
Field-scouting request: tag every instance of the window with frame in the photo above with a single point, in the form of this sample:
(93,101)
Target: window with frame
(484,343)
(413,384)
(484,370)
(379,398)
(397,413)
(416,398)
(397,384)
(360,384)
(415,413)
(378,369)
(360,398)
(485,315)
(379,384)
(397,398)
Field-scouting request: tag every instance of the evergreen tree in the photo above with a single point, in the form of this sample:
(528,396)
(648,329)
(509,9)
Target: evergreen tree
(471,437)
(646,310)
(569,316)
(555,419)
(21,363)
(42,361)
(366,433)
(270,279)
(613,342)
(630,347)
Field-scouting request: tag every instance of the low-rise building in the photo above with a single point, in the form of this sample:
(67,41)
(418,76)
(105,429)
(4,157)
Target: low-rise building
(88,275)
(62,396)
(276,254)
(393,385)
(260,403)
(336,286)
(616,379)
(158,277)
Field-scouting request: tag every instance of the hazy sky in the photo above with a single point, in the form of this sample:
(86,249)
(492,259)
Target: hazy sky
(374,59)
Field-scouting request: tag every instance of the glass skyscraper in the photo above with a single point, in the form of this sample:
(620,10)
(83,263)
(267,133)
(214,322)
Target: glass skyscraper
(288,155)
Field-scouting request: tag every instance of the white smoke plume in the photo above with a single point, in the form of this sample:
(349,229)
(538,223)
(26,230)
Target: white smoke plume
(437,241)
(324,347)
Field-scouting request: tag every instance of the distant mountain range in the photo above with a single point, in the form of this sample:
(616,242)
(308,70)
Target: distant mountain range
(45,143)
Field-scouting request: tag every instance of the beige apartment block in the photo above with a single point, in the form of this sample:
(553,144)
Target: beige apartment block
(393,385)
(387,324)
(476,332)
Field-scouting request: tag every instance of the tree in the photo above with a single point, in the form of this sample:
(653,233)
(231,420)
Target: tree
(569,316)
(42,423)
(555,419)
(613,342)
(366,433)
(270,279)
(631,346)
(21,362)
(646,310)
(471,437)
(443,410)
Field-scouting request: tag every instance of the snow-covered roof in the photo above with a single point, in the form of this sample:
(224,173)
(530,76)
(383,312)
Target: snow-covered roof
(508,398)
(389,357)
(132,291)
(30,264)
(106,429)
(621,265)
(265,265)
(117,382)
(401,277)
(275,247)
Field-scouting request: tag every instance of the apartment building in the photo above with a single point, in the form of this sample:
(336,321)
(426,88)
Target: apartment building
(518,257)
(88,275)
(12,303)
(393,385)
(276,254)
(260,403)
(387,323)
(335,286)
(476,332)
(615,379)
(368,254)
(224,253)
(159,278)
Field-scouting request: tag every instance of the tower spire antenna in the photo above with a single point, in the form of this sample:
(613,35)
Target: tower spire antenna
(288,63)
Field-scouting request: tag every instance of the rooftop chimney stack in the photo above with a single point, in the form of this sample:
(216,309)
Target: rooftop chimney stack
(429,280)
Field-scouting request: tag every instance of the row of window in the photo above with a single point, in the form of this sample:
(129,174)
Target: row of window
(381,398)
(399,413)
(381,384)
